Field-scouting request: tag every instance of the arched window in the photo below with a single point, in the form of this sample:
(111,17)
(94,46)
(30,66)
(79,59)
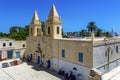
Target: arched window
(23,45)
(48,30)
(4,44)
(10,44)
(57,30)
(38,31)
(31,31)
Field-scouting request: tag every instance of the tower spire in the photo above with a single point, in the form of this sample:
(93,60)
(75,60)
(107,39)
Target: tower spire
(53,12)
(35,19)
(53,24)
(35,26)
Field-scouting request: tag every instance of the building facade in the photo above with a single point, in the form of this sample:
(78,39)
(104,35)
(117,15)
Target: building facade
(11,49)
(76,55)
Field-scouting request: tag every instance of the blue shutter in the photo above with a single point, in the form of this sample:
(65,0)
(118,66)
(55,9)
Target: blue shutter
(80,57)
(63,53)
(17,54)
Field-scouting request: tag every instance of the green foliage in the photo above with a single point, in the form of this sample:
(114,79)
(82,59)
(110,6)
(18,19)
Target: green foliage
(91,26)
(84,33)
(14,29)
(65,36)
(99,32)
(3,34)
(107,34)
(19,33)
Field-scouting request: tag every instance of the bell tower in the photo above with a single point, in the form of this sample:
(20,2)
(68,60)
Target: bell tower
(35,26)
(53,24)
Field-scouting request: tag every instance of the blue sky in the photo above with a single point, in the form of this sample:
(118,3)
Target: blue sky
(75,14)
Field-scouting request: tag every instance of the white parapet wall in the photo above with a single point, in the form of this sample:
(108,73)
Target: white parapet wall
(112,75)
(81,72)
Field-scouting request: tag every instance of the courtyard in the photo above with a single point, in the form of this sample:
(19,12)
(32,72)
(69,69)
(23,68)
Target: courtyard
(27,71)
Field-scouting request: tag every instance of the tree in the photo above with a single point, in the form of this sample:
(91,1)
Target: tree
(107,34)
(19,33)
(14,29)
(3,34)
(99,32)
(91,27)
(116,34)
(83,33)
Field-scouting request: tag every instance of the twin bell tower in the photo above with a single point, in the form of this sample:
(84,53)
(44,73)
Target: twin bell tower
(53,25)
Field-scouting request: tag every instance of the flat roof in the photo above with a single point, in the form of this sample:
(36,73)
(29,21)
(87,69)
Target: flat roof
(83,39)
(97,40)
(5,39)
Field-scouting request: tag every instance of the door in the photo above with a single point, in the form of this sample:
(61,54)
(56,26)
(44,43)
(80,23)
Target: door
(31,57)
(48,64)
(10,54)
(38,60)
(17,54)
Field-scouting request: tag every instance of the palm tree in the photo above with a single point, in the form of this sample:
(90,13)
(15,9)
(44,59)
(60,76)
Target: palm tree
(99,32)
(91,27)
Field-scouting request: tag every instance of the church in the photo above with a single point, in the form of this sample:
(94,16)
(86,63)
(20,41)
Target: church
(81,56)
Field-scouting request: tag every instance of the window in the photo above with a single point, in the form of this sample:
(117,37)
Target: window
(38,31)
(38,44)
(23,45)
(63,53)
(4,44)
(116,49)
(48,30)
(57,30)
(10,44)
(80,57)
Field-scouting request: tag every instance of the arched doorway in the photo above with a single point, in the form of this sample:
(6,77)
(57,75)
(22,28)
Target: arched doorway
(38,60)
(49,64)
(31,57)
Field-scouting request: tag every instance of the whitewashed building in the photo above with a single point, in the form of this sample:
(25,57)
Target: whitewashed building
(10,48)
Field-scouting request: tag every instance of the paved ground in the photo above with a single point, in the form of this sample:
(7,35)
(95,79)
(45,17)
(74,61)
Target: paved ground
(28,71)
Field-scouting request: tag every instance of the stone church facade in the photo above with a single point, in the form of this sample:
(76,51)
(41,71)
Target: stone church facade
(77,55)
